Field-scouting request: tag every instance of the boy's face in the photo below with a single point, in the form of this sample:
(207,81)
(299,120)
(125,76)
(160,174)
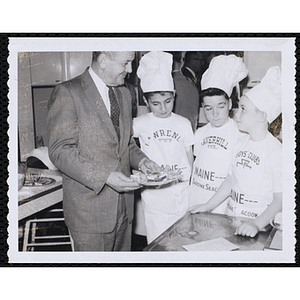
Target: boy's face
(161,105)
(216,109)
(247,114)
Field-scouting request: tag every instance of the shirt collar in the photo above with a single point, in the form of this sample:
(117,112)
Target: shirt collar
(98,81)
(193,73)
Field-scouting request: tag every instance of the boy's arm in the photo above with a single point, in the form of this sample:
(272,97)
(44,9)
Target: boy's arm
(190,156)
(221,194)
(251,228)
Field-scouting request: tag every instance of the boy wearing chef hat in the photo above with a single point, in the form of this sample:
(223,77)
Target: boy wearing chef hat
(254,182)
(166,138)
(215,141)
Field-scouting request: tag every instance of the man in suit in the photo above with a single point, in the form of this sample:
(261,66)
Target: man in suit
(90,142)
(194,66)
(187,102)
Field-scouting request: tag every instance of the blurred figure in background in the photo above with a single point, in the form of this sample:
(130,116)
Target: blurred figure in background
(195,64)
(186,93)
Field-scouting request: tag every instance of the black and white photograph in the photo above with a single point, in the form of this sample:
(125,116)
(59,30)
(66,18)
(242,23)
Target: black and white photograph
(151,150)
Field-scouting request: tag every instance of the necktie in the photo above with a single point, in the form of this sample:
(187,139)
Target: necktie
(114,110)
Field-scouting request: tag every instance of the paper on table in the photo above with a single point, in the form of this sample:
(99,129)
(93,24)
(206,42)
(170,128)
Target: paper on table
(219,244)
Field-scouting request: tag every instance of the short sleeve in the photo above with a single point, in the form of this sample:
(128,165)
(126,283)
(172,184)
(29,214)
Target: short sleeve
(189,138)
(135,126)
(198,137)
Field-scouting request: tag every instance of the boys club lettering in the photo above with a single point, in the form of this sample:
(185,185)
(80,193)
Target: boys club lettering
(246,158)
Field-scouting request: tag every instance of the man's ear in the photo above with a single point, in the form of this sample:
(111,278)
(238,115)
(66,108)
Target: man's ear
(102,59)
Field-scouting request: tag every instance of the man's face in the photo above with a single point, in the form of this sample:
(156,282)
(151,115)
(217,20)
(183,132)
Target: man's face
(247,114)
(216,109)
(197,63)
(161,105)
(117,67)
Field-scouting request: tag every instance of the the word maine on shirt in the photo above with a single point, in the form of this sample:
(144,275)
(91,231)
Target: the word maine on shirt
(212,141)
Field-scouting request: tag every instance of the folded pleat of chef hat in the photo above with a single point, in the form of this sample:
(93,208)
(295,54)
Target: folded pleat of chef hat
(266,95)
(155,72)
(224,72)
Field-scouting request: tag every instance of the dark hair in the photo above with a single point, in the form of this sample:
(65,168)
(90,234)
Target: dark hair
(210,92)
(189,55)
(96,55)
(151,94)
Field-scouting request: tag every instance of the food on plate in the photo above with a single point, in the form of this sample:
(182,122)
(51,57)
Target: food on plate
(156,177)
(139,177)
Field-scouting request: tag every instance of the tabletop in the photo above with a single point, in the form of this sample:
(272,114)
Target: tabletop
(215,230)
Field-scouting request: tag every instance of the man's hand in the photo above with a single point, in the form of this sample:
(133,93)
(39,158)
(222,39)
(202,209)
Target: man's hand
(119,182)
(198,208)
(148,166)
(247,229)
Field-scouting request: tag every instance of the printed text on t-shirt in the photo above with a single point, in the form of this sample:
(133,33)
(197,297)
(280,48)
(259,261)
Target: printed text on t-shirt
(215,141)
(245,162)
(166,135)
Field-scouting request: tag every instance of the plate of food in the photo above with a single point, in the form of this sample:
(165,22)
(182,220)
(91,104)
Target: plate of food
(156,178)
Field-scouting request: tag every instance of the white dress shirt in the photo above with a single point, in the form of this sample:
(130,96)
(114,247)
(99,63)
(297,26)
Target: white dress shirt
(102,88)
(193,73)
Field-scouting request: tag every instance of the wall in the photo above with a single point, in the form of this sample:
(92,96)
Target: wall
(42,70)
(25,110)
(258,62)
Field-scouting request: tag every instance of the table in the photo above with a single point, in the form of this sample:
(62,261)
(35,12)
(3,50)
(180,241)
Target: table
(34,199)
(195,228)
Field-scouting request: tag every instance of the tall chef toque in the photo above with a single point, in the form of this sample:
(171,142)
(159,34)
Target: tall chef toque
(224,72)
(155,72)
(266,95)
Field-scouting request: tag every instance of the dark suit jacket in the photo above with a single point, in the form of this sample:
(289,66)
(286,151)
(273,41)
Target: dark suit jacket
(187,73)
(187,102)
(84,146)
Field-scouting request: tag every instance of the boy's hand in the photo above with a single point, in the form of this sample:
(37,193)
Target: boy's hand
(247,229)
(198,208)
(147,166)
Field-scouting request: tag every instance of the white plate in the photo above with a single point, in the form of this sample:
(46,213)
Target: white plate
(158,183)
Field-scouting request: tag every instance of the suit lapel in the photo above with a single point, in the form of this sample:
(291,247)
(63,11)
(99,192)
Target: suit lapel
(95,98)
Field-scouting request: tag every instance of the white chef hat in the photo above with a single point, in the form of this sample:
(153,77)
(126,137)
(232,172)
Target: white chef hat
(155,72)
(266,95)
(224,72)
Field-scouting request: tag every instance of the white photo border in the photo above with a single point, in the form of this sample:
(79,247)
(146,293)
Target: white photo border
(287,48)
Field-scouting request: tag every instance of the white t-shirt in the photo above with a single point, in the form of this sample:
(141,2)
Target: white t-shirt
(164,141)
(213,150)
(257,174)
